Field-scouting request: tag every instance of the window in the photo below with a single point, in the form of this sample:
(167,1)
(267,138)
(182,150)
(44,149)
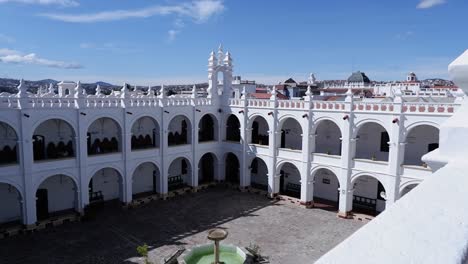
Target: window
(384,139)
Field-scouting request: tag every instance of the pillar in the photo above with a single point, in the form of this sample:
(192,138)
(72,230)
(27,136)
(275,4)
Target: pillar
(347,152)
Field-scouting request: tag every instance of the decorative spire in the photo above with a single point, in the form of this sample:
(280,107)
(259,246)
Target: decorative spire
(274,92)
(349,92)
(220,52)
(162,92)
(22,89)
(98,90)
(309,91)
(51,88)
(194,91)
(312,79)
(227,59)
(244,92)
(79,91)
(212,61)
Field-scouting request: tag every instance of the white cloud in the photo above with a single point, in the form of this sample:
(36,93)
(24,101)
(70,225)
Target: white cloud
(172,34)
(430,3)
(5,38)
(66,3)
(16,57)
(199,10)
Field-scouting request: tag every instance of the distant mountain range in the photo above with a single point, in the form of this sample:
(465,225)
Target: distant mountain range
(10,86)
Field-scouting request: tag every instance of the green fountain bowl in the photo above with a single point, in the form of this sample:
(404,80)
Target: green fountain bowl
(204,254)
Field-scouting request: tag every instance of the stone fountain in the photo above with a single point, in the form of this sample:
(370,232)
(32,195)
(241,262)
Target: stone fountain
(217,235)
(217,253)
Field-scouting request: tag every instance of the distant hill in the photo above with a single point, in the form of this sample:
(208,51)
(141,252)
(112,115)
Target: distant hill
(10,86)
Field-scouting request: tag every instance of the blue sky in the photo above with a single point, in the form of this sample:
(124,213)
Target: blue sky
(148,42)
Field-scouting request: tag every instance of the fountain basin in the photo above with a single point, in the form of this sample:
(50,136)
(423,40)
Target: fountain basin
(204,254)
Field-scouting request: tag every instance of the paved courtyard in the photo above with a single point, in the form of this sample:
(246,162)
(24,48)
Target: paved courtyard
(286,233)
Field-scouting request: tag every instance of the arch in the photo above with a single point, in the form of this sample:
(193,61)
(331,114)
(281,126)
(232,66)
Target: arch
(208,128)
(259,131)
(406,188)
(411,126)
(319,120)
(104,136)
(8,144)
(56,194)
(326,186)
(369,194)
(327,137)
(420,140)
(11,205)
(106,184)
(232,171)
(179,173)
(291,133)
(259,174)
(233,127)
(206,168)
(54,139)
(372,141)
(146,179)
(179,131)
(290,179)
(145,133)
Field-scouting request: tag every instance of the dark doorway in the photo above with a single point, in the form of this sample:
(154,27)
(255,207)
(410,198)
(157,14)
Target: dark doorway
(283,139)
(154,181)
(206,169)
(42,204)
(232,169)
(281,181)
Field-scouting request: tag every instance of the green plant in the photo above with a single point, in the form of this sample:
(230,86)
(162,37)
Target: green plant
(143,252)
(254,249)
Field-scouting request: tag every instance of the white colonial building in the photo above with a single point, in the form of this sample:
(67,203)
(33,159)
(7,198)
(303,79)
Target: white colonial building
(62,152)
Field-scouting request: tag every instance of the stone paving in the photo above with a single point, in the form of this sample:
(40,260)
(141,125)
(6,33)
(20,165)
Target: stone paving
(286,233)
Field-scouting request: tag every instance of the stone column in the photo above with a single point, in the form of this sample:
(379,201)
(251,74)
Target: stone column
(307,186)
(26,160)
(396,151)
(347,151)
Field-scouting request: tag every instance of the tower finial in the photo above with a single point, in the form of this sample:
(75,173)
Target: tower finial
(220,52)
(194,91)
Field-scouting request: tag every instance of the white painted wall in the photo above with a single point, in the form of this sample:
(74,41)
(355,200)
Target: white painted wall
(107,180)
(417,142)
(323,190)
(367,186)
(142,180)
(327,139)
(55,130)
(105,128)
(176,126)
(8,136)
(61,193)
(145,126)
(175,169)
(10,208)
(293,175)
(293,134)
(261,177)
(368,144)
